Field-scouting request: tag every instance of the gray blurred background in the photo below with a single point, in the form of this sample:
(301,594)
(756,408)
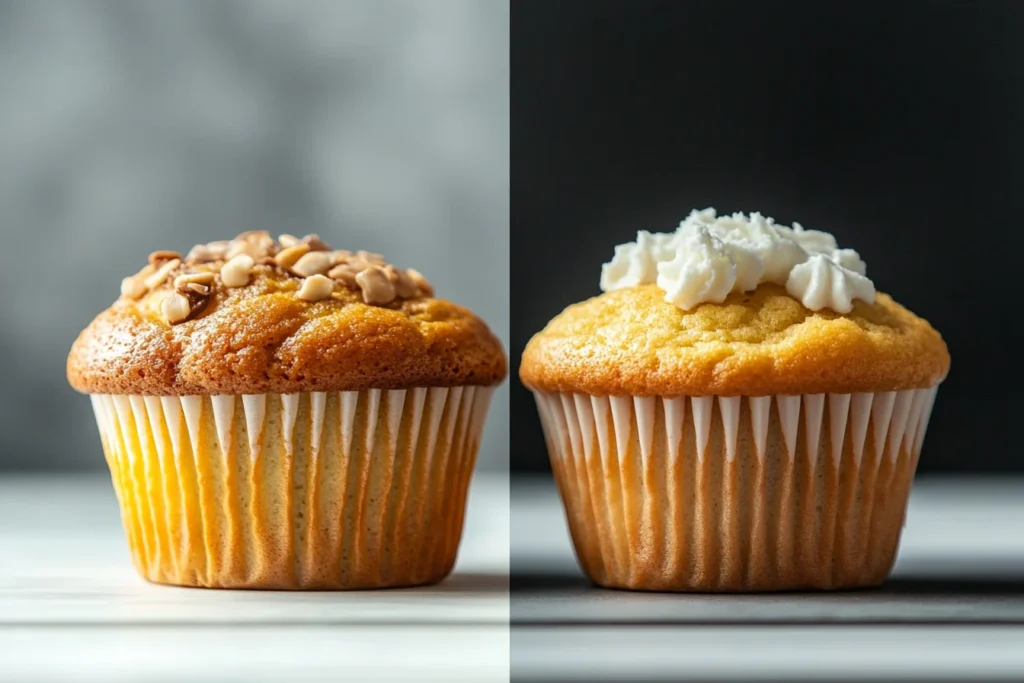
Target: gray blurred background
(127,127)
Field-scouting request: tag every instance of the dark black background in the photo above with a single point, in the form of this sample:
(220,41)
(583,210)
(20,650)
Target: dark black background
(899,127)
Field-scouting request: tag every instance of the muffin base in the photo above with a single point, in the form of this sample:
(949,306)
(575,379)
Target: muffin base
(731,494)
(321,490)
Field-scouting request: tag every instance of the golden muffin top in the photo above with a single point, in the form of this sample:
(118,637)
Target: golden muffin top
(258,315)
(735,305)
(632,342)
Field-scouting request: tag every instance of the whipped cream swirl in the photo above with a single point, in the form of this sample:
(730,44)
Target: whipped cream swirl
(710,256)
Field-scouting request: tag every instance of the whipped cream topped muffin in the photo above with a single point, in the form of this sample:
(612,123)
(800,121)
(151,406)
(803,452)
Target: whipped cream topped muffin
(740,410)
(279,414)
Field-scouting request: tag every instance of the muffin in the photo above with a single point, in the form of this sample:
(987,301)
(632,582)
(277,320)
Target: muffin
(739,411)
(281,415)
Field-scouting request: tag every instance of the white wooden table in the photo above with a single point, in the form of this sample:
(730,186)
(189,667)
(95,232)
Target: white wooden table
(72,607)
(953,609)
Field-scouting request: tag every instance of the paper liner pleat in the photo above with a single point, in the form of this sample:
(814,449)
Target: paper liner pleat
(736,493)
(327,490)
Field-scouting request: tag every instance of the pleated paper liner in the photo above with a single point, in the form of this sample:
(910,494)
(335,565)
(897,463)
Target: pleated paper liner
(736,494)
(334,490)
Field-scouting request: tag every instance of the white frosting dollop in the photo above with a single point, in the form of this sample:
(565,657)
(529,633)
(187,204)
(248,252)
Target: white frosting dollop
(709,256)
(636,263)
(700,269)
(819,282)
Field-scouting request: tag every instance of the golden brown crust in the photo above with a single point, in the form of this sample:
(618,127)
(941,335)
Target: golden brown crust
(262,338)
(631,342)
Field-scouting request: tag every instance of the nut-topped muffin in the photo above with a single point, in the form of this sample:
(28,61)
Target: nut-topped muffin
(739,411)
(279,414)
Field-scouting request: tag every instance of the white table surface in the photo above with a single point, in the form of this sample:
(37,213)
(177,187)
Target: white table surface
(72,607)
(952,610)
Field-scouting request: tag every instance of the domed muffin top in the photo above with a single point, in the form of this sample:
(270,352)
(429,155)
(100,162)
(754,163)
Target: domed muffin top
(632,342)
(259,315)
(735,305)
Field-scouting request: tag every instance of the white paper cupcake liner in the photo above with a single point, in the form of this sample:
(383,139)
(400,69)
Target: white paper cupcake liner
(736,493)
(311,490)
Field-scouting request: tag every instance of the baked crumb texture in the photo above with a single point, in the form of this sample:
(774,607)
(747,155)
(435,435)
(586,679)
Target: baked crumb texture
(630,342)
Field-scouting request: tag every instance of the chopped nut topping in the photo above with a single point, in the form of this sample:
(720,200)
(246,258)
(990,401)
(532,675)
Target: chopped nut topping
(340,256)
(158,257)
(255,243)
(404,285)
(175,307)
(316,288)
(133,287)
(309,258)
(287,257)
(158,277)
(204,253)
(346,274)
(377,288)
(421,282)
(358,263)
(203,278)
(315,243)
(258,237)
(237,270)
(312,263)
(370,257)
